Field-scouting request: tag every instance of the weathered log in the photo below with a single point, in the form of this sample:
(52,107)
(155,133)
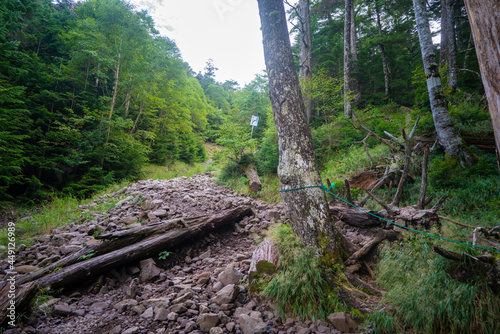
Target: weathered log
(389,234)
(353,216)
(125,252)
(264,262)
(472,266)
(253,177)
(151,246)
(14,303)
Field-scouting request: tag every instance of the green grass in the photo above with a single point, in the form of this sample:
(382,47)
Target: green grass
(300,287)
(427,298)
(174,170)
(60,211)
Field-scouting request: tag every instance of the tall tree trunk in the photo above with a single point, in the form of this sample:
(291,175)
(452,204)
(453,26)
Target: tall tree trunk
(382,50)
(307,209)
(347,59)
(355,68)
(446,131)
(484,18)
(448,55)
(305,69)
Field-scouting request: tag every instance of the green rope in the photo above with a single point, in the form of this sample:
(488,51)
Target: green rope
(393,223)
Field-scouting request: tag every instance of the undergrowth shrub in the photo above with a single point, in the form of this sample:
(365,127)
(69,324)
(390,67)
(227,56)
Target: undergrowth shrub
(427,298)
(300,286)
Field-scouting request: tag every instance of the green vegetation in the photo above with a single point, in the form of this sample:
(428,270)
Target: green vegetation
(301,287)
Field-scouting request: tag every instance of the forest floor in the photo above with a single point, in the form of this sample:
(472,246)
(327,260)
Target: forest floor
(198,287)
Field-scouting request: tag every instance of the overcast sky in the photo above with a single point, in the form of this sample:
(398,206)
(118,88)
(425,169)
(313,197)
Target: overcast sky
(227,31)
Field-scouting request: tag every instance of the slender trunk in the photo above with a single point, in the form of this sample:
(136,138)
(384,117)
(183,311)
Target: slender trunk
(382,50)
(307,209)
(448,55)
(137,118)
(446,131)
(484,18)
(115,94)
(305,69)
(347,59)
(355,68)
(127,103)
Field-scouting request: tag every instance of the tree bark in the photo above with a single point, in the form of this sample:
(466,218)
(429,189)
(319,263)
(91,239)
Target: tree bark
(484,18)
(305,68)
(446,131)
(307,209)
(355,68)
(347,58)
(253,177)
(448,55)
(382,50)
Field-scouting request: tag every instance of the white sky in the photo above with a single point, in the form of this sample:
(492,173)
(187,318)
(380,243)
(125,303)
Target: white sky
(227,31)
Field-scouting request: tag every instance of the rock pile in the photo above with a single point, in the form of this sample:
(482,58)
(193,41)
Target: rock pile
(199,287)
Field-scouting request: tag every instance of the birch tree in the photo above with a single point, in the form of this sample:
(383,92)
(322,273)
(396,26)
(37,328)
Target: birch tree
(307,208)
(347,58)
(484,17)
(446,131)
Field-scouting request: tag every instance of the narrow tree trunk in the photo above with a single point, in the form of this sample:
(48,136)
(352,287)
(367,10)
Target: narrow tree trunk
(448,55)
(382,50)
(446,131)
(347,58)
(355,68)
(307,209)
(484,18)
(305,68)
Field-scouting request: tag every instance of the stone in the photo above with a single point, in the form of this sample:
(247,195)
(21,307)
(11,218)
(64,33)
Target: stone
(148,314)
(133,289)
(161,314)
(183,297)
(125,305)
(217,286)
(149,270)
(216,330)
(160,213)
(157,302)
(129,220)
(252,323)
(230,326)
(25,269)
(227,294)
(202,278)
(190,326)
(172,316)
(99,307)
(116,330)
(179,308)
(62,309)
(207,321)
(204,255)
(132,330)
(230,276)
(342,322)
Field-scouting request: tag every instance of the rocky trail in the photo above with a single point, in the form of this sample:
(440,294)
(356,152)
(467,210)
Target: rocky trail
(199,286)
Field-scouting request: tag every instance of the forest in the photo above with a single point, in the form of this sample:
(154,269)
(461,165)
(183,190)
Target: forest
(92,95)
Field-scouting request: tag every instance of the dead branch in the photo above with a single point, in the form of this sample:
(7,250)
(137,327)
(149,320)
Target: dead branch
(423,185)
(438,204)
(456,222)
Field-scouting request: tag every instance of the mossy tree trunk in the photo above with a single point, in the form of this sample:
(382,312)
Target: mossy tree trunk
(307,209)
(347,59)
(305,66)
(446,131)
(484,17)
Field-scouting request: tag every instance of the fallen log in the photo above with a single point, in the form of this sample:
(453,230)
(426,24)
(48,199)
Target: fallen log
(14,303)
(253,177)
(122,249)
(354,217)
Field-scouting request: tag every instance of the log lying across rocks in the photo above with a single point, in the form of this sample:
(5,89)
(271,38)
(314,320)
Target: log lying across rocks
(120,248)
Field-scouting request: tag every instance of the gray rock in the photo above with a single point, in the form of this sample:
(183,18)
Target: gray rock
(160,213)
(161,314)
(172,316)
(204,255)
(216,330)
(227,294)
(148,314)
(116,330)
(179,308)
(132,330)
(207,321)
(190,326)
(129,220)
(125,305)
(62,309)
(252,323)
(230,276)
(99,307)
(342,321)
(149,270)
